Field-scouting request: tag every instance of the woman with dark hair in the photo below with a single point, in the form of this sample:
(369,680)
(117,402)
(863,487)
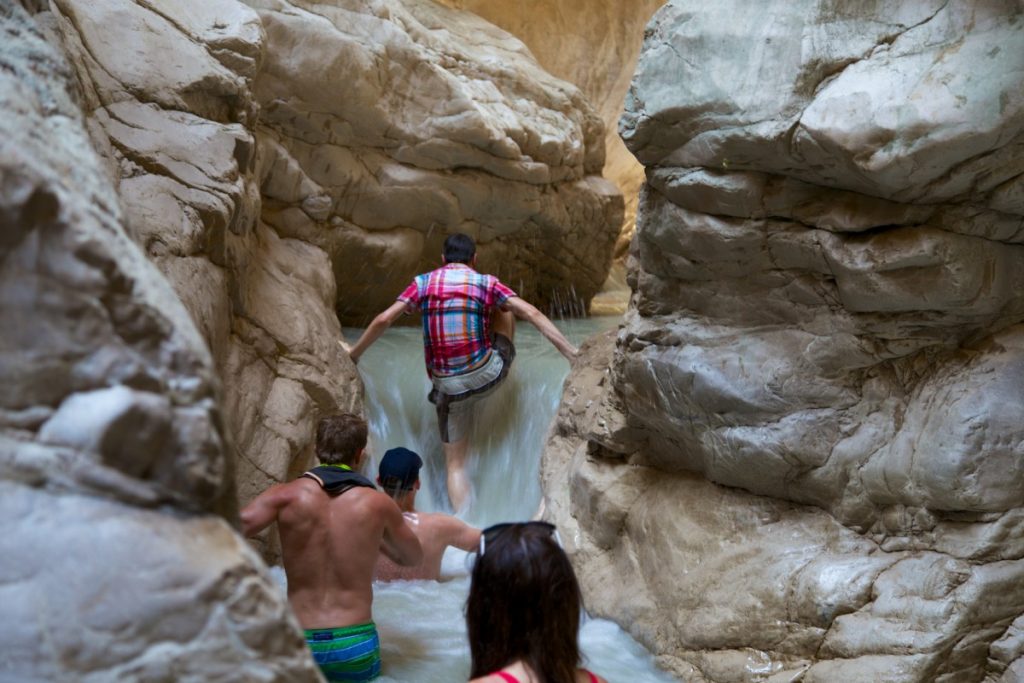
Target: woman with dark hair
(523,611)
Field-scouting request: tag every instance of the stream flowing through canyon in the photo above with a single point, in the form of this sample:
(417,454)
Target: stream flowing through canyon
(423,634)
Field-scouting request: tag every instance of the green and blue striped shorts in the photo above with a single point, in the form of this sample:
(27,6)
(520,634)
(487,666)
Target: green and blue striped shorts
(346,655)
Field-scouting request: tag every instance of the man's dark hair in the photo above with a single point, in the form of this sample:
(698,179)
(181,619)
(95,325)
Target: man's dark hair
(339,438)
(459,248)
(524,604)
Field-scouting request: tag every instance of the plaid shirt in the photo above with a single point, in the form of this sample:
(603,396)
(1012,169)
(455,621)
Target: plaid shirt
(456,302)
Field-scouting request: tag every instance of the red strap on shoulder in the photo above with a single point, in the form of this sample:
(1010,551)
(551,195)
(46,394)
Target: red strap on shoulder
(508,678)
(593,678)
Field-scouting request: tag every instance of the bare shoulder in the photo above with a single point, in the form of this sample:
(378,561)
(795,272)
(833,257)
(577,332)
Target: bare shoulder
(369,498)
(435,520)
(288,490)
(439,520)
(372,501)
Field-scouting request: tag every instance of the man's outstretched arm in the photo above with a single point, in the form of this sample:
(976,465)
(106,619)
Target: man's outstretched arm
(399,543)
(529,313)
(372,333)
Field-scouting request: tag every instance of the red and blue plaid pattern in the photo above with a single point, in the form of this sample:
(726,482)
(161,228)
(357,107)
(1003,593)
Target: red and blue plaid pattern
(456,302)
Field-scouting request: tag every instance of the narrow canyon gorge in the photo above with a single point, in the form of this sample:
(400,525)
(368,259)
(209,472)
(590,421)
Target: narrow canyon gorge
(799,456)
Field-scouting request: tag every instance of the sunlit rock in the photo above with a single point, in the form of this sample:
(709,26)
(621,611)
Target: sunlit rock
(388,125)
(827,321)
(595,46)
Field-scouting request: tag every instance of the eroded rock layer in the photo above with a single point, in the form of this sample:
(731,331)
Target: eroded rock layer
(808,453)
(116,561)
(595,46)
(169,99)
(272,164)
(388,125)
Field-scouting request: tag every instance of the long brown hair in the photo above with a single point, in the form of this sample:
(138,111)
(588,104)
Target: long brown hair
(524,605)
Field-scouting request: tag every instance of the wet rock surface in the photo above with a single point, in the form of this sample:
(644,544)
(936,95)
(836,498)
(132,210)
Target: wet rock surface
(814,408)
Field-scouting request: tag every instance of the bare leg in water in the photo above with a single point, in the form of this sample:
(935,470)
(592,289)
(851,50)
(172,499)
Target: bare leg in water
(459,489)
(456,452)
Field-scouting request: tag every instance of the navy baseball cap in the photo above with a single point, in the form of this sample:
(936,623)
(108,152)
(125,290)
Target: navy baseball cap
(400,467)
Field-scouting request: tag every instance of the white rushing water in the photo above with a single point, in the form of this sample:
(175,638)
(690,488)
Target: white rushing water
(421,623)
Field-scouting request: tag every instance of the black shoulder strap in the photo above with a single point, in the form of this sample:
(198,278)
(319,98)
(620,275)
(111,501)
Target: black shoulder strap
(335,480)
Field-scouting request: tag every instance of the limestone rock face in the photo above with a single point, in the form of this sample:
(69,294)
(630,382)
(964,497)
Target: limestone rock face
(827,319)
(595,46)
(111,436)
(387,125)
(169,98)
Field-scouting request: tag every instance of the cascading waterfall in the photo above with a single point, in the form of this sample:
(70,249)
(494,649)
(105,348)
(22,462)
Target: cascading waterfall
(421,622)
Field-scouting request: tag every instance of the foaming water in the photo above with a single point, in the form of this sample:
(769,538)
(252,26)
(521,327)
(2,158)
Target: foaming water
(508,429)
(421,623)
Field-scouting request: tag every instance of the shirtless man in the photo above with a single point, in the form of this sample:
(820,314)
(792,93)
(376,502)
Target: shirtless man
(469,321)
(333,525)
(399,476)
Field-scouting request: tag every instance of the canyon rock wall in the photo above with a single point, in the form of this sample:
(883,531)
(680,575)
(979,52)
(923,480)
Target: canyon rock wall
(116,561)
(169,99)
(386,126)
(807,455)
(189,195)
(286,164)
(595,46)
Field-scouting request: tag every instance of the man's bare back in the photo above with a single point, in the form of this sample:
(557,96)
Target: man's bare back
(436,532)
(333,523)
(330,546)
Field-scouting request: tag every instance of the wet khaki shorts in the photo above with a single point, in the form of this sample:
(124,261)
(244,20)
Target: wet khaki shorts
(455,396)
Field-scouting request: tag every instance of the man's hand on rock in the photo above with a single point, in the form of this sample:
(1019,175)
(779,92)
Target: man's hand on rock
(348,349)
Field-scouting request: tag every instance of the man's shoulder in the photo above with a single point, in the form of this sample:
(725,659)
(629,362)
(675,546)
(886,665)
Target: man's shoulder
(438,521)
(366,501)
(430,519)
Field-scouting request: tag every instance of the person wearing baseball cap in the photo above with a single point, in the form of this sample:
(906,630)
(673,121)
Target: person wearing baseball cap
(399,476)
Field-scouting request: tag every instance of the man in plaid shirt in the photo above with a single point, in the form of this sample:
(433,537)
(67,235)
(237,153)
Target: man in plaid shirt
(468,325)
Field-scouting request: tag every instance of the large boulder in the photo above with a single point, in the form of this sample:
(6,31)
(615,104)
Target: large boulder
(827,320)
(117,561)
(386,126)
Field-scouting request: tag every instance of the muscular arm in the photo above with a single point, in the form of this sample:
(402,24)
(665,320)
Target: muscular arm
(258,515)
(376,328)
(399,542)
(529,313)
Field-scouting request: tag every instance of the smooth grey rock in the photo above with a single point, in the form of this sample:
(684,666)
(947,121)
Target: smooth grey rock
(907,101)
(827,316)
(126,429)
(174,597)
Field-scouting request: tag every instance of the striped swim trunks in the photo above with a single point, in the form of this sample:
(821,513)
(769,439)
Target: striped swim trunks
(346,655)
